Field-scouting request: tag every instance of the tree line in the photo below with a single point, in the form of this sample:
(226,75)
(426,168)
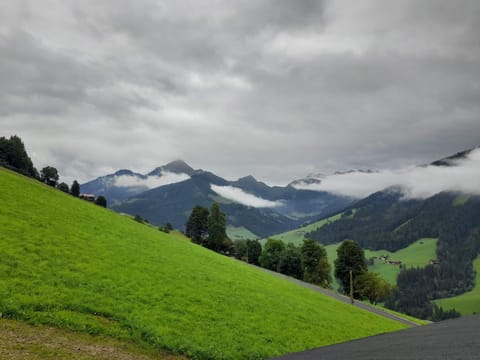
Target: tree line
(308,262)
(14,156)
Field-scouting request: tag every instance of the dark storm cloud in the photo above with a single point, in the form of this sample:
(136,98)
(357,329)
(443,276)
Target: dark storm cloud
(273,88)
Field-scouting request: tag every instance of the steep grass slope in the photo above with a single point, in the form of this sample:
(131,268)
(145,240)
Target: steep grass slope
(71,264)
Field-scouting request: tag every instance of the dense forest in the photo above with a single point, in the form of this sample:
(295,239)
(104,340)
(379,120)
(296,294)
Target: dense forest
(385,221)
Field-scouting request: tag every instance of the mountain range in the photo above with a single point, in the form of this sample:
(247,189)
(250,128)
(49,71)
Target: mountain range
(168,194)
(388,220)
(125,183)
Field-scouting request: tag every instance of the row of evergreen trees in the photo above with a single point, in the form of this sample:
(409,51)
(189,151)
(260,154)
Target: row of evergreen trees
(308,262)
(208,228)
(14,156)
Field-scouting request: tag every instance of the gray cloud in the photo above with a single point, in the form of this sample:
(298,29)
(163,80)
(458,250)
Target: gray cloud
(276,89)
(415,182)
(149,182)
(244,198)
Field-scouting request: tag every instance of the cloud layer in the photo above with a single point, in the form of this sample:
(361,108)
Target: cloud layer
(415,182)
(298,86)
(238,195)
(149,182)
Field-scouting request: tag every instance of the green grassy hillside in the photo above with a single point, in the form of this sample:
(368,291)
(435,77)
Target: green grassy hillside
(74,265)
(296,236)
(240,233)
(468,303)
(417,254)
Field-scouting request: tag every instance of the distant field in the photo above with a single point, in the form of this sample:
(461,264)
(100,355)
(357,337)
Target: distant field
(74,265)
(417,254)
(468,303)
(296,236)
(240,233)
(461,200)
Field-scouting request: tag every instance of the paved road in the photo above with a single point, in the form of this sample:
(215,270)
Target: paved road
(343,298)
(451,339)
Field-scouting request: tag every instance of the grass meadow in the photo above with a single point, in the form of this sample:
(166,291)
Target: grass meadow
(240,233)
(417,254)
(71,264)
(296,236)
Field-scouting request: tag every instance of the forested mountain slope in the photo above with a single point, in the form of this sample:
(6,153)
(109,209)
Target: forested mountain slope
(385,221)
(290,207)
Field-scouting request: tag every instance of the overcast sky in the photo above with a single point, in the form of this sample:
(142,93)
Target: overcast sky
(276,89)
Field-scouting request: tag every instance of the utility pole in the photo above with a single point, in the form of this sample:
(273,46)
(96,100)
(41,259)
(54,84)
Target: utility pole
(351,288)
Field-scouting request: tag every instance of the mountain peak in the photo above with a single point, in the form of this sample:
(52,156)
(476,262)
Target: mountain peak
(247,179)
(123,172)
(176,166)
(450,160)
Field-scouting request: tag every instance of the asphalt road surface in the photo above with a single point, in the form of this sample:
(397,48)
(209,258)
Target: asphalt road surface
(343,298)
(450,339)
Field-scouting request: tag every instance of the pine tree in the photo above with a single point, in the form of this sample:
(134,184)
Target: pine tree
(75,189)
(196,226)
(217,239)
(14,156)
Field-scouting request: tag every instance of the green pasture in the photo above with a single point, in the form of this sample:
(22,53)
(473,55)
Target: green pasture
(240,233)
(296,236)
(417,254)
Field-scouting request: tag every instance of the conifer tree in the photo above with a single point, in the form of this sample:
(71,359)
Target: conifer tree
(216,226)
(14,156)
(196,226)
(75,189)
